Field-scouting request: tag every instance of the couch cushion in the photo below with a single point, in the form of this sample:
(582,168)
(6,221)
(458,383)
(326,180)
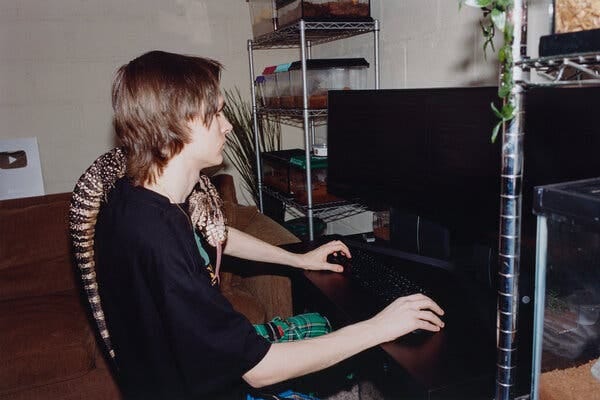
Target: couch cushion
(95,385)
(264,228)
(274,292)
(37,279)
(246,304)
(43,340)
(34,233)
(239,216)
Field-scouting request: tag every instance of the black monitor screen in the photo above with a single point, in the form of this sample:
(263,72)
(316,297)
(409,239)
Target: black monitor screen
(424,150)
(428,151)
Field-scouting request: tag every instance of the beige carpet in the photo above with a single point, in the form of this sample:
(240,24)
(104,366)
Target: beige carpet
(360,391)
(576,383)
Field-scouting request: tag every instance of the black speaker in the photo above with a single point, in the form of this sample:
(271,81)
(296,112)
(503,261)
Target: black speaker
(415,234)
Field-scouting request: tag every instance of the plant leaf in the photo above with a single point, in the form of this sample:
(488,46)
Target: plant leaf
(504,90)
(502,54)
(477,3)
(503,4)
(499,19)
(496,111)
(495,131)
(240,148)
(507,111)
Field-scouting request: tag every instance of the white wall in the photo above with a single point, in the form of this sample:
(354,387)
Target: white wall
(429,43)
(57,59)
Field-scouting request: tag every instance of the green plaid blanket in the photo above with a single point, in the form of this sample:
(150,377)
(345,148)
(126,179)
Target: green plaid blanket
(287,395)
(298,327)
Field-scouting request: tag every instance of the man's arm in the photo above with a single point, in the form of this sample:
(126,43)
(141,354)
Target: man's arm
(242,245)
(292,359)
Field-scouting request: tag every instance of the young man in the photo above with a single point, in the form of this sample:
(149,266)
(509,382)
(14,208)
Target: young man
(174,335)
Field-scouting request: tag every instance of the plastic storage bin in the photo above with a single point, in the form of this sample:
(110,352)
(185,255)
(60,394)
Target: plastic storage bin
(567,291)
(326,74)
(283,85)
(270,89)
(291,11)
(259,84)
(263,16)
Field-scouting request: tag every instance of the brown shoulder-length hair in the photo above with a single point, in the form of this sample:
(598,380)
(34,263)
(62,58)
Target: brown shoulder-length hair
(154,97)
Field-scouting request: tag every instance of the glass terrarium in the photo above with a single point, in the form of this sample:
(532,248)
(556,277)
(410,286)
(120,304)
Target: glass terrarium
(567,293)
(263,16)
(291,11)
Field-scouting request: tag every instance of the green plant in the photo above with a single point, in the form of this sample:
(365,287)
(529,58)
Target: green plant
(495,17)
(240,148)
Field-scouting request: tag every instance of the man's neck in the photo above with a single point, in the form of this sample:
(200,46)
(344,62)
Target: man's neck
(176,181)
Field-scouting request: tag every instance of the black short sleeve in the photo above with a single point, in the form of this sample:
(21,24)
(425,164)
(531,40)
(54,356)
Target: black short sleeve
(175,335)
(211,338)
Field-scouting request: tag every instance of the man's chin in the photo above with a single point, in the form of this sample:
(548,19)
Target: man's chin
(218,161)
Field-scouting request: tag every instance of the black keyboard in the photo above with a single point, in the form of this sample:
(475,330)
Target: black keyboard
(376,275)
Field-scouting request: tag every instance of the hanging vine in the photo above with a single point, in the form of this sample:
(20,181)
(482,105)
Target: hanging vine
(495,18)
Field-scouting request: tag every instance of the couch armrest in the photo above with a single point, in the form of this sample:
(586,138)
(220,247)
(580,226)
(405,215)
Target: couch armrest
(274,292)
(225,186)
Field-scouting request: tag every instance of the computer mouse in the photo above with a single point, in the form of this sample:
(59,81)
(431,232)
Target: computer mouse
(340,258)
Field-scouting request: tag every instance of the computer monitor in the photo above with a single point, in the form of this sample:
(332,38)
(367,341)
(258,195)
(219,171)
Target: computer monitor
(427,153)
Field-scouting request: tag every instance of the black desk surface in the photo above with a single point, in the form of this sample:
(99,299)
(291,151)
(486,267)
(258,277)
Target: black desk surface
(459,360)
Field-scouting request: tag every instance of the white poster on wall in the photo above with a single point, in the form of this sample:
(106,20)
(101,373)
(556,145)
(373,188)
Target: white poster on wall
(20,168)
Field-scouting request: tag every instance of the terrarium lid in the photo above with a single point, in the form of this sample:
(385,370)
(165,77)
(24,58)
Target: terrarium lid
(325,63)
(575,202)
(315,162)
(283,67)
(283,3)
(269,70)
(282,155)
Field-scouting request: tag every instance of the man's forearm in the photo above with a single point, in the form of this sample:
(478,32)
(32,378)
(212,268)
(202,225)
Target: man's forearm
(242,245)
(289,360)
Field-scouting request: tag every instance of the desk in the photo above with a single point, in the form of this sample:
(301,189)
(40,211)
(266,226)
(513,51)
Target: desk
(458,362)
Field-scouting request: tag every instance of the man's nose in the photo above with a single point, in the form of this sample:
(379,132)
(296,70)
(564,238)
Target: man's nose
(228,127)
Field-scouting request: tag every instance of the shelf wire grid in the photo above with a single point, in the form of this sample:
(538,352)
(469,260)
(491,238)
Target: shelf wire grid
(316,33)
(571,70)
(293,117)
(330,211)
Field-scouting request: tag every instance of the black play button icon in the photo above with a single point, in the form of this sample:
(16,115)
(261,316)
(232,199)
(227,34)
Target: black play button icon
(13,159)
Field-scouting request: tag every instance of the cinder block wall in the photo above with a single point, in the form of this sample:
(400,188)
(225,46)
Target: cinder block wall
(57,59)
(429,43)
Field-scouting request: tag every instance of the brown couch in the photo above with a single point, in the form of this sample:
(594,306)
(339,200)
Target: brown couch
(48,348)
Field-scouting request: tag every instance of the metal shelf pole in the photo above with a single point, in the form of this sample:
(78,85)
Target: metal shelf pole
(312,120)
(539,301)
(255,126)
(510,216)
(376,52)
(309,210)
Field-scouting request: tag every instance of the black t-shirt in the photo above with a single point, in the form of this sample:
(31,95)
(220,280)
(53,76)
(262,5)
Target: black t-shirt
(174,334)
